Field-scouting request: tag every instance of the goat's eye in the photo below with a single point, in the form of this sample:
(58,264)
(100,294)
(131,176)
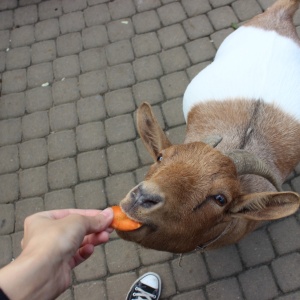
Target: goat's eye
(220,199)
(159,157)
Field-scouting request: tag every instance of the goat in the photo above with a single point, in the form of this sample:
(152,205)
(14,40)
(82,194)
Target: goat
(242,141)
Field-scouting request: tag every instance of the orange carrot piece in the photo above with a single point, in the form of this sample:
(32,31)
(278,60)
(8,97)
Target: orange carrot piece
(122,222)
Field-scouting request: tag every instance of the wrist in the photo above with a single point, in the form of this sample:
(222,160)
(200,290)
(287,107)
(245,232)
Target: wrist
(26,277)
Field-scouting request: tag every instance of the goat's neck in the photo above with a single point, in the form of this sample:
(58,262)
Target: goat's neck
(251,125)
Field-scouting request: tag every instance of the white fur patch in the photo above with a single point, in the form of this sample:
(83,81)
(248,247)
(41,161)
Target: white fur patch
(251,63)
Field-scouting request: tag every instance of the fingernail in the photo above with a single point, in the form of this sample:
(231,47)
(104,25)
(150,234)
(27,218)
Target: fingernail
(107,212)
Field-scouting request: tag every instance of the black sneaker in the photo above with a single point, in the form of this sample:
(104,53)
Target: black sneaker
(147,287)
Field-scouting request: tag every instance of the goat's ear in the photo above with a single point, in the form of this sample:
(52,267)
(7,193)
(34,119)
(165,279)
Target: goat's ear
(151,133)
(265,206)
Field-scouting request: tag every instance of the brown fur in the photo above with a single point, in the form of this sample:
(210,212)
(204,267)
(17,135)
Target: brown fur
(179,202)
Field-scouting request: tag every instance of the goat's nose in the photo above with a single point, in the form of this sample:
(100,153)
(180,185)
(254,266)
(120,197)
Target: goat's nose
(144,198)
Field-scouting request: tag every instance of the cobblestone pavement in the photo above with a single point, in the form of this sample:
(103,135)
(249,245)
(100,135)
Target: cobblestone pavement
(73,73)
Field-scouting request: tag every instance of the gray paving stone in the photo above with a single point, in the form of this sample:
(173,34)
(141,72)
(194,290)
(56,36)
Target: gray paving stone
(61,144)
(90,195)
(119,52)
(8,4)
(258,283)
(296,184)
(121,261)
(196,7)
(69,44)
(10,131)
(174,60)
(122,157)
(119,102)
(96,15)
(7,218)
(93,268)
(33,153)
(150,256)
(282,241)
(62,173)
(123,282)
(224,289)
(33,182)
(6,250)
(172,36)
(216,3)
(93,290)
(146,44)
(22,36)
(6,19)
(171,13)
(12,106)
(121,9)
(43,52)
(223,262)
(91,109)
(25,208)
(165,272)
(73,5)
(148,67)
(192,272)
(92,59)
(14,81)
(90,136)
(92,83)
(65,91)
(48,29)
(39,74)
(172,111)
(39,98)
(18,58)
(60,199)
(16,242)
(117,186)
(67,66)
(4,39)
(197,27)
(177,134)
(50,9)
(120,76)
(120,30)
(146,5)
(63,117)
(286,271)
(256,248)
(219,36)
(9,159)
(149,91)
(9,188)
(71,22)
(200,50)
(222,17)
(146,21)
(92,165)
(35,125)
(246,9)
(95,36)
(197,294)
(25,15)
(143,154)
(174,84)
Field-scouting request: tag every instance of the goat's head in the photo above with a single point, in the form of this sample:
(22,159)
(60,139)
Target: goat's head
(191,196)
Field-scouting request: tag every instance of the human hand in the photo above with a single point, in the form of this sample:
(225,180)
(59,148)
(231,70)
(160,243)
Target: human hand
(54,243)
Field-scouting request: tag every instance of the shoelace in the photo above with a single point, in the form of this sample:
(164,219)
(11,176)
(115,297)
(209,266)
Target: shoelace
(142,295)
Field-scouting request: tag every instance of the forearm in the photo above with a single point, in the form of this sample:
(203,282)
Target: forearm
(27,278)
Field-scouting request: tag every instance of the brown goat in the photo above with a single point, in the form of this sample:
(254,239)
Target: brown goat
(242,141)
